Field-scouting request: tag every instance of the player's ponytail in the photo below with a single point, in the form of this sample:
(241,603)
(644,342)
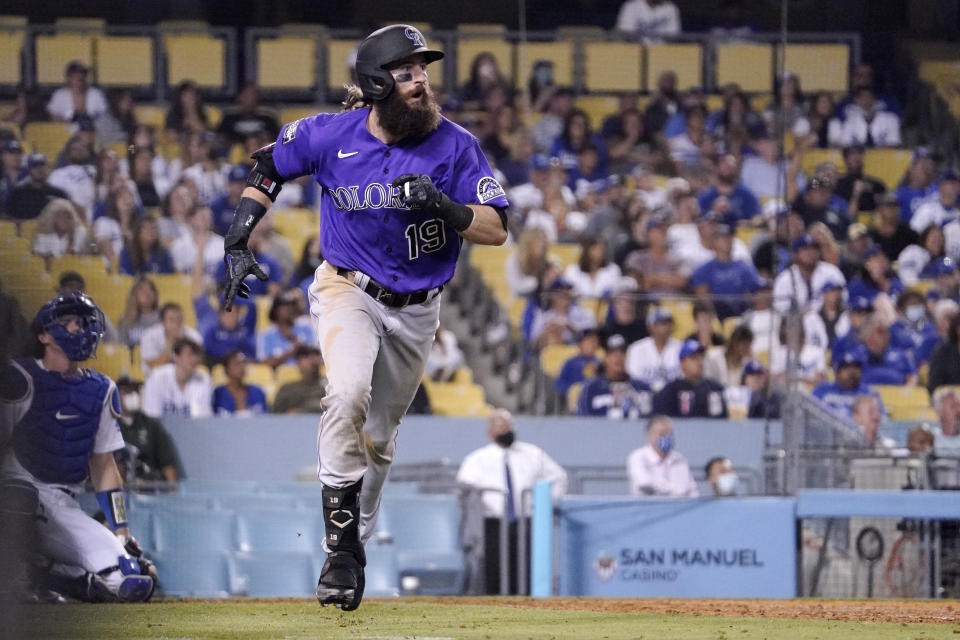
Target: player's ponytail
(354,99)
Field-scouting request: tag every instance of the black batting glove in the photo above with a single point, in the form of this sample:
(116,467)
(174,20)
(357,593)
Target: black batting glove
(418,191)
(240,263)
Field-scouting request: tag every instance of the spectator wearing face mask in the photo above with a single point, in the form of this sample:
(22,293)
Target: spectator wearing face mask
(722,477)
(655,469)
(501,471)
(156,456)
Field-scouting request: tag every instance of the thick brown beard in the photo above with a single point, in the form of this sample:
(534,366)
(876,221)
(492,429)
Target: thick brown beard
(402,121)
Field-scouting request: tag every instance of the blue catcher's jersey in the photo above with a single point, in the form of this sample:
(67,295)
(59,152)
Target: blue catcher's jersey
(364,225)
(61,424)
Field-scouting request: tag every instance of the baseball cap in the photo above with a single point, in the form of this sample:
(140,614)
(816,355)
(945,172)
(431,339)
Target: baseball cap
(76,66)
(871,251)
(802,241)
(753,366)
(920,152)
(710,216)
(304,350)
(127,381)
(36,159)
(724,230)
(541,161)
(12,146)
(857,230)
(853,147)
(854,356)
(616,342)
(820,182)
(861,304)
(560,283)
(586,333)
(943,266)
(690,347)
(949,175)
(886,199)
(658,314)
(830,286)
(238,173)
(656,221)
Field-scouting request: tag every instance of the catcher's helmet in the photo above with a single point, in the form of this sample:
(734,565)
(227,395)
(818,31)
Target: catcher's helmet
(382,47)
(77,346)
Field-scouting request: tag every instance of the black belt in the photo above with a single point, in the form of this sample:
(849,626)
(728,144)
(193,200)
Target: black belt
(383,295)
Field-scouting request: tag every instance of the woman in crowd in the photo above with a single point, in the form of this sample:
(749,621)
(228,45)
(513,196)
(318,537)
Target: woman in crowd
(916,261)
(141,312)
(876,278)
(201,239)
(186,114)
(945,359)
(594,275)
(725,363)
(810,360)
(144,253)
(59,230)
(236,397)
(634,145)
(813,131)
(485,77)
(525,265)
(141,173)
(445,356)
(108,170)
(310,259)
(574,137)
(118,123)
(176,206)
(288,328)
(788,105)
(504,128)
(203,169)
(113,230)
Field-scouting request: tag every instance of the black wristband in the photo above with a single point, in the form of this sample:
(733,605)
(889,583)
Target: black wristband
(458,216)
(245,218)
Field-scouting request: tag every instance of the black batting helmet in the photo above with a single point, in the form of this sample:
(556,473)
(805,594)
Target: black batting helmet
(382,47)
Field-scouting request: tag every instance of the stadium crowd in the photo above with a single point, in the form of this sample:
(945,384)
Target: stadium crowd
(666,197)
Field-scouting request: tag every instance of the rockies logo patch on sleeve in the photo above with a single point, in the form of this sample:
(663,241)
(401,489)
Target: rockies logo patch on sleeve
(290,132)
(488,189)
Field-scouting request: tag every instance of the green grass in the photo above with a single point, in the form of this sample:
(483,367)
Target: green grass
(400,619)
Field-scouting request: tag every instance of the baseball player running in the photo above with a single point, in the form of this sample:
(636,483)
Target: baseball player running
(402,187)
(58,424)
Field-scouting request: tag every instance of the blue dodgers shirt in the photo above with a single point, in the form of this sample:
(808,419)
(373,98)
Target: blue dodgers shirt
(841,400)
(727,278)
(365,225)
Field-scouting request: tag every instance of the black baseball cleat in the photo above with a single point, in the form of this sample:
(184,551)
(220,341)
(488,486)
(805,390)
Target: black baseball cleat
(341,581)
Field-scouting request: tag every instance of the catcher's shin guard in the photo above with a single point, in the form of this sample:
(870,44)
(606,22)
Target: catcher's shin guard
(341,579)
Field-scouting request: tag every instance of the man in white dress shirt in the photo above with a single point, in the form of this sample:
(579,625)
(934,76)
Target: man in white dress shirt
(502,471)
(76,97)
(656,358)
(179,388)
(655,469)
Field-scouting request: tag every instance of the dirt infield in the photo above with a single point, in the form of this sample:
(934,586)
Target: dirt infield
(905,611)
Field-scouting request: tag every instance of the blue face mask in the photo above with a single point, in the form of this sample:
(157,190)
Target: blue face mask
(916,313)
(665,444)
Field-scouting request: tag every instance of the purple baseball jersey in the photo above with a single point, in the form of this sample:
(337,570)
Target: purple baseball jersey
(364,225)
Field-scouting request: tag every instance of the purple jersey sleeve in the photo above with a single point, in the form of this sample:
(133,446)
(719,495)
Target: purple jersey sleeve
(295,153)
(473,181)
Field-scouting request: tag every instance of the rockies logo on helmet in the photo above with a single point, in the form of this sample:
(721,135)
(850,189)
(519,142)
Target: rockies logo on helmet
(415,35)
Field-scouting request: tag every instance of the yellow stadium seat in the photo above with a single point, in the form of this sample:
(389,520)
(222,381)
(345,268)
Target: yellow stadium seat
(11,46)
(87,266)
(153,115)
(760,103)
(124,60)
(469,48)
(553,356)
(199,57)
(686,60)
(813,157)
(904,403)
(182,25)
(455,399)
(567,253)
(48,138)
(338,73)
(80,24)
(113,360)
(582,31)
(745,234)
(53,52)
(763,356)
(260,374)
(110,292)
(747,64)
(287,373)
(32,289)
(731,323)
(214,115)
(289,114)
(889,165)
(820,67)
(613,66)
(463,375)
(560,53)
(573,396)
(597,108)
(11,243)
(263,304)
(287,62)
(297,226)
(12,21)
(515,312)
(482,27)
(176,287)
